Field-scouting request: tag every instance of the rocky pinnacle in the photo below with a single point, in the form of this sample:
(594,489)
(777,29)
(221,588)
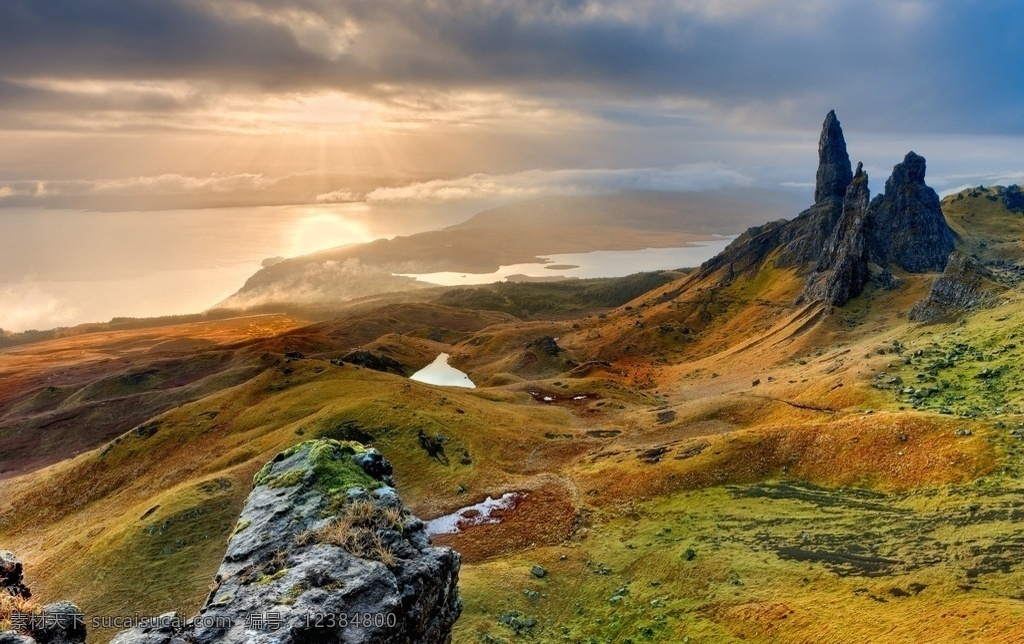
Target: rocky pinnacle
(842,269)
(834,172)
(909,228)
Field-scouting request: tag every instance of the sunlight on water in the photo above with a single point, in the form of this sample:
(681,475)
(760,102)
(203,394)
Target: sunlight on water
(600,263)
(65,267)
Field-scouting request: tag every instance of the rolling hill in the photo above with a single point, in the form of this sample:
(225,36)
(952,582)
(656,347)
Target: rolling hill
(767,448)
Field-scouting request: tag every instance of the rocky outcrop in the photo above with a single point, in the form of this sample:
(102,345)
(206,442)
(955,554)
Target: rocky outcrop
(324,551)
(370,360)
(803,238)
(902,227)
(909,229)
(834,173)
(58,623)
(1013,199)
(799,241)
(548,345)
(963,286)
(12,576)
(842,271)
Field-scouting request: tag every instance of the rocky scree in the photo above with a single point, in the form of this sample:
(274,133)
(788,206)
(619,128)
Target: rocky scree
(964,285)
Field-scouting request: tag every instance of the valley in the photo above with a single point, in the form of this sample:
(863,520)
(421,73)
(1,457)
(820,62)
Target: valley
(765,448)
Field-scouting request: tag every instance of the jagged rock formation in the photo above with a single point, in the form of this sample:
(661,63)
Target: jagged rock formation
(58,623)
(1013,198)
(909,229)
(846,239)
(963,286)
(802,238)
(842,271)
(324,551)
(834,174)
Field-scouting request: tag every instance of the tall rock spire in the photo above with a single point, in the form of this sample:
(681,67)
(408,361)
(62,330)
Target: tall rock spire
(834,172)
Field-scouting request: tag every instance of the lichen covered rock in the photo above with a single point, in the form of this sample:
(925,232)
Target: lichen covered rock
(324,551)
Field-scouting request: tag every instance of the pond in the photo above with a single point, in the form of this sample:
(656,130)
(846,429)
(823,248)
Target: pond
(439,372)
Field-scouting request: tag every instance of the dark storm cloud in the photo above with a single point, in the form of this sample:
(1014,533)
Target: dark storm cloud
(948,66)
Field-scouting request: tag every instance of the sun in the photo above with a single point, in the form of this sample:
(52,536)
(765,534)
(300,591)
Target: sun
(322,228)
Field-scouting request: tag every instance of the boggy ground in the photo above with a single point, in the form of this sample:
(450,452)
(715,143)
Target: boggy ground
(714,464)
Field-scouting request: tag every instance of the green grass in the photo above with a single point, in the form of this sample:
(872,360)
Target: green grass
(764,562)
(531,299)
(969,370)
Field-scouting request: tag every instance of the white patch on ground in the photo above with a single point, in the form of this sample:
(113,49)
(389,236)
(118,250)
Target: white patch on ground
(478,514)
(439,372)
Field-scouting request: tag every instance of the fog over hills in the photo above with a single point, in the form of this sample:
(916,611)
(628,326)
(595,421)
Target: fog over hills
(519,233)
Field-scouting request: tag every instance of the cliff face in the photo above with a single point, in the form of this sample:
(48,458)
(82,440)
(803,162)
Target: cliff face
(842,271)
(909,229)
(324,551)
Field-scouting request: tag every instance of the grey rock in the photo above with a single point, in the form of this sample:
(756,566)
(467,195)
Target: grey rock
(964,285)
(908,228)
(1013,199)
(168,628)
(371,360)
(58,623)
(12,576)
(834,171)
(278,585)
(842,271)
(62,623)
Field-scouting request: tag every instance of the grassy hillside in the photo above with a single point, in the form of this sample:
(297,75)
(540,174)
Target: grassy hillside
(708,460)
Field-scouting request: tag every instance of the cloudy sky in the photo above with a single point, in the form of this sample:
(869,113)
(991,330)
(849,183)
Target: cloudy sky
(345,100)
(394,108)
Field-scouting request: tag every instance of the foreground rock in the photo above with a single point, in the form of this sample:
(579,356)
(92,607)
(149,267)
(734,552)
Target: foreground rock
(324,551)
(58,623)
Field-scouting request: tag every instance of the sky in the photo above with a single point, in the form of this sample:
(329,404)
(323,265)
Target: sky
(385,105)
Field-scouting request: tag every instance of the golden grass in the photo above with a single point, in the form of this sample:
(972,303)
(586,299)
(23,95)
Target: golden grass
(618,488)
(356,527)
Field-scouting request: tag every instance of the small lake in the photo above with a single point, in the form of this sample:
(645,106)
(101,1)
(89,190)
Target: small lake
(439,372)
(598,263)
(478,514)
